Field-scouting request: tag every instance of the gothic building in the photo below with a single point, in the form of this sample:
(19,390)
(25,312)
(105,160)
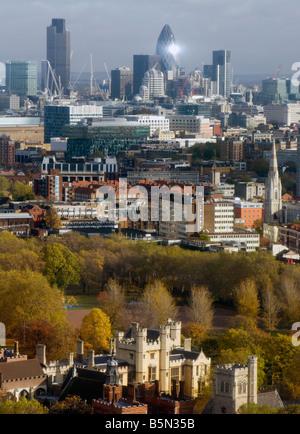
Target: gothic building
(273,192)
(157,355)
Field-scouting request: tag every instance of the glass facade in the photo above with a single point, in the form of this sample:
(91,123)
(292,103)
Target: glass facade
(167,49)
(59,51)
(85,140)
(21,78)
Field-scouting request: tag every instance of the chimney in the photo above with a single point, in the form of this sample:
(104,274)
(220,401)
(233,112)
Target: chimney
(41,354)
(131,394)
(80,351)
(188,344)
(16,349)
(71,359)
(91,363)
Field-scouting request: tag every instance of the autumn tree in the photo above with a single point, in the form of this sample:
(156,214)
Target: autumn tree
(246,300)
(96,331)
(23,406)
(200,307)
(112,301)
(61,266)
(271,308)
(159,304)
(71,405)
(194,331)
(52,219)
(290,301)
(91,269)
(27,297)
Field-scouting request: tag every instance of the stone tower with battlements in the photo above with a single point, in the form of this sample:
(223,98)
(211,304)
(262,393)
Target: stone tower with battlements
(234,385)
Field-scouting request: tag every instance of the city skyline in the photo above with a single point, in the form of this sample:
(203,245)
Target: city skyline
(117,31)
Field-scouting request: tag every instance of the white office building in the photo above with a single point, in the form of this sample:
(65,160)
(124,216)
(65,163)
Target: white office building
(284,114)
(153,85)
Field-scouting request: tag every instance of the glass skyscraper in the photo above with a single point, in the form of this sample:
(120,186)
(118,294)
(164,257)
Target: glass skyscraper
(59,52)
(168,50)
(141,64)
(21,78)
(220,72)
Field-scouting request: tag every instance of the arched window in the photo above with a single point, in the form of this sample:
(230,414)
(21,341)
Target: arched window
(24,394)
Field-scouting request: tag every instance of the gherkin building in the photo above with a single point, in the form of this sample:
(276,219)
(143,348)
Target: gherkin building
(168,50)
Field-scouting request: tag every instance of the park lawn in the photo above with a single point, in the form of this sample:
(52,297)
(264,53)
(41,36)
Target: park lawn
(84,302)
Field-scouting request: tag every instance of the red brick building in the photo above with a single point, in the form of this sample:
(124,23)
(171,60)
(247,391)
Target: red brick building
(114,403)
(250,212)
(7,151)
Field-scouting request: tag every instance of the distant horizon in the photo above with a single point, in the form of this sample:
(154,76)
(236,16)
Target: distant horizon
(113,32)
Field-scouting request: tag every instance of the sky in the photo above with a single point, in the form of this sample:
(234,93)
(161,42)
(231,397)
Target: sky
(263,35)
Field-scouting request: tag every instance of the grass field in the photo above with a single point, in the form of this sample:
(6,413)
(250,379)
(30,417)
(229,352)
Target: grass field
(83,302)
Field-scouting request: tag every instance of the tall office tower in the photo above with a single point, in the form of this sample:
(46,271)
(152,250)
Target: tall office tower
(220,72)
(167,48)
(273,195)
(58,52)
(121,83)
(21,78)
(275,90)
(153,85)
(141,64)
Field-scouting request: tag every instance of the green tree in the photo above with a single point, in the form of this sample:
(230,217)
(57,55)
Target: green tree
(21,191)
(23,406)
(4,186)
(61,266)
(96,331)
(261,167)
(257,409)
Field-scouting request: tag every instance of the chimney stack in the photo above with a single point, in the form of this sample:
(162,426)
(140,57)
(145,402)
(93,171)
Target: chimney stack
(188,344)
(91,363)
(71,359)
(41,354)
(16,349)
(80,351)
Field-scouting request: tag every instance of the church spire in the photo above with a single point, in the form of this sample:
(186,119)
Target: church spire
(273,194)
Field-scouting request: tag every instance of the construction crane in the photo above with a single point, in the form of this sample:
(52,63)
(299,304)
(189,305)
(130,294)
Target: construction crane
(92,77)
(108,76)
(182,89)
(58,87)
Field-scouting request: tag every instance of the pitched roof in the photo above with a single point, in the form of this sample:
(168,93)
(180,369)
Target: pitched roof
(21,369)
(190,355)
(272,399)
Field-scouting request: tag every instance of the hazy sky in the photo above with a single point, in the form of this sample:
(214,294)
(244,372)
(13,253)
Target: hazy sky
(262,34)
